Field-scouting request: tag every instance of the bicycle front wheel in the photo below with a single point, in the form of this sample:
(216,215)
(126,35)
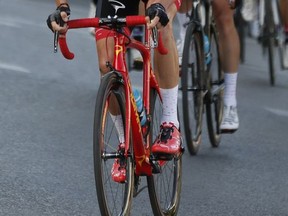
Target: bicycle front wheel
(113,198)
(192,87)
(164,187)
(215,86)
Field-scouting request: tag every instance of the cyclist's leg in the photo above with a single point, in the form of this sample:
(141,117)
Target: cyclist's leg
(284,11)
(284,17)
(167,73)
(105,49)
(229,53)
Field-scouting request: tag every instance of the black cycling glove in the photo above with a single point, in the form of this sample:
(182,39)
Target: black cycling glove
(56,16)
(158,10)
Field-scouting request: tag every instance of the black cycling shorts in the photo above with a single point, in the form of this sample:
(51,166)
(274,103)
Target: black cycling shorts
(121,8)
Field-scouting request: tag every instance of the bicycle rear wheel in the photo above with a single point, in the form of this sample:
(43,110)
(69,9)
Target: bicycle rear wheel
(164,187)
(215,86)
(192,87)
(113,198)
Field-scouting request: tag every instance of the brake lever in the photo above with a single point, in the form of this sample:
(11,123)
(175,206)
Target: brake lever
(154,37)
(56,38)
(56,34)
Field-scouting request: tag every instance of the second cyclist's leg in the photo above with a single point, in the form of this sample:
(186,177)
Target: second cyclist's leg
(229,53)
(284,17)
(167,73)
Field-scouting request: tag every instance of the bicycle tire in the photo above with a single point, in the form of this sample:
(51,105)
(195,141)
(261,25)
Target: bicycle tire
(270,32)
(271,61)
(214,97)
(165,187)
(113,198)
(282,48)
(192,87)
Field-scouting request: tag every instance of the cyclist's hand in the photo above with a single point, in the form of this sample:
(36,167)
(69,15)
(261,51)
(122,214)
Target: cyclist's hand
(157,16)
(56,21)
(234,3)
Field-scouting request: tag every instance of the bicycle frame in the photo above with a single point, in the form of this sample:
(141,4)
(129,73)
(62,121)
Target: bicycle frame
(141,146)
(196,15)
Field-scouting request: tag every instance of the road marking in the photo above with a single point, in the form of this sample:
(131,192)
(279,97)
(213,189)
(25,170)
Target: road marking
(278,111)
(13,68)
(19,22)
(7,23)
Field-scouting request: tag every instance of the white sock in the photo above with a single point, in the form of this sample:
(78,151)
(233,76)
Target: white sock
(119,127)
(170,97)
(230,89)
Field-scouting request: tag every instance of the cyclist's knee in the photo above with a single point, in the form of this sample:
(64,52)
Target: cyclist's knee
(225,22)
(103,66)
(103,62)
(105,49)
(224,16)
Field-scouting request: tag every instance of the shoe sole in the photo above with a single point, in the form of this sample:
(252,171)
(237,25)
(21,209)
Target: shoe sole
(228,131)
(166,156)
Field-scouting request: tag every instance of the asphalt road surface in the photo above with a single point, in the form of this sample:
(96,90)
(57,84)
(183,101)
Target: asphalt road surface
(46,119)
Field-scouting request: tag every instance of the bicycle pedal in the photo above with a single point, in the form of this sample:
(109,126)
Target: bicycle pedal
(156,168)
(182,150)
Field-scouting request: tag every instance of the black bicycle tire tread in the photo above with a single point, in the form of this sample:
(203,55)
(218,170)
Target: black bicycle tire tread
(110,79)
(192,145)
(156,207)
(269,21)
(214,133)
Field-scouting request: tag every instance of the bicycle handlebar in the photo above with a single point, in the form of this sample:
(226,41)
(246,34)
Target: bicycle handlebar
(129,21)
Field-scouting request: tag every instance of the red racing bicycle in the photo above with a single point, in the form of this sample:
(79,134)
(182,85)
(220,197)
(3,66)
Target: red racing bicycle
(115,93)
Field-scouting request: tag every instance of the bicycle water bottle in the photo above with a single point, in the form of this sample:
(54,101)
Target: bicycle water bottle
(207,50)
(140,107)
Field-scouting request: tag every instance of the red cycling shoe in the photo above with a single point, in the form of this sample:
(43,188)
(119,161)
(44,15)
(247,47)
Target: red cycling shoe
(168,141)
(118,171)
